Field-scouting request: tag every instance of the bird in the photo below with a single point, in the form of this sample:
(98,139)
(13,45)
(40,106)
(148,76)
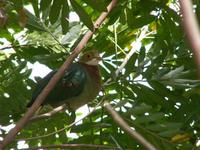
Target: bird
(79,85)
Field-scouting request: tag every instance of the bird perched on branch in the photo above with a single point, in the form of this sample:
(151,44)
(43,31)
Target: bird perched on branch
(79,85)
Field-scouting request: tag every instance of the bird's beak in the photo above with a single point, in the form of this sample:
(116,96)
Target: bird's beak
(98,58)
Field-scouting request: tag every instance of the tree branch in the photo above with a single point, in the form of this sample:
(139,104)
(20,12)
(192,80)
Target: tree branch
(128,56)
(134,134)
(191,28)
(63,129)
(48,114)
(41,97)
(74,146)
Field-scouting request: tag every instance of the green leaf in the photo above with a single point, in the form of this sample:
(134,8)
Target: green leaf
(55,11)
(82,14)
(98,5)
(35,7)
(149,96)
(150,118)
(141,56)
(44,4)
(114,15)
(173,73)
(153,92)
(130,66)
(170,133)
(130,22)
(127,91)
(33,22)
(123,18)
(164,126)
(139,110)
(65,17)
(18,4)
(138,21)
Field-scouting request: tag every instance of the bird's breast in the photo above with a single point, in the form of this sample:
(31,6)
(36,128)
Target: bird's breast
(91,88)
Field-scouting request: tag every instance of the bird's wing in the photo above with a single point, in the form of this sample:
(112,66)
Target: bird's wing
(72,82)
(70,85)
(40,86)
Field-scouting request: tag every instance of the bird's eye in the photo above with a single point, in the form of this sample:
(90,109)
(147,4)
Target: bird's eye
(88,56)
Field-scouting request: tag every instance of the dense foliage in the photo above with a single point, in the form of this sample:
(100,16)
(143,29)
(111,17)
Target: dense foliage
(157,92)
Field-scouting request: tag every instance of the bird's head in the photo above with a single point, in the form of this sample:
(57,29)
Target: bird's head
(91,58)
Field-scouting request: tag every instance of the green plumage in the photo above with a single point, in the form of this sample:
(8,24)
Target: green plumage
(79,85)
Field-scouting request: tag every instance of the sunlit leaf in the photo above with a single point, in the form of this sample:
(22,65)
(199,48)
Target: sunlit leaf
(82,14)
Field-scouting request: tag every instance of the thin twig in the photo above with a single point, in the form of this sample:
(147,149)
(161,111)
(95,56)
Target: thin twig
(74,146)
(128,56)
(126,59)
(63,129)
(191,28)
(48,114)
(134,134)
(116,142)
(16,46)
(118,46)
(41,97)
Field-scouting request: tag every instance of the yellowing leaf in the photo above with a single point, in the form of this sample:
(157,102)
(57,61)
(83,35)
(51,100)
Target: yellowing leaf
(180,138)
